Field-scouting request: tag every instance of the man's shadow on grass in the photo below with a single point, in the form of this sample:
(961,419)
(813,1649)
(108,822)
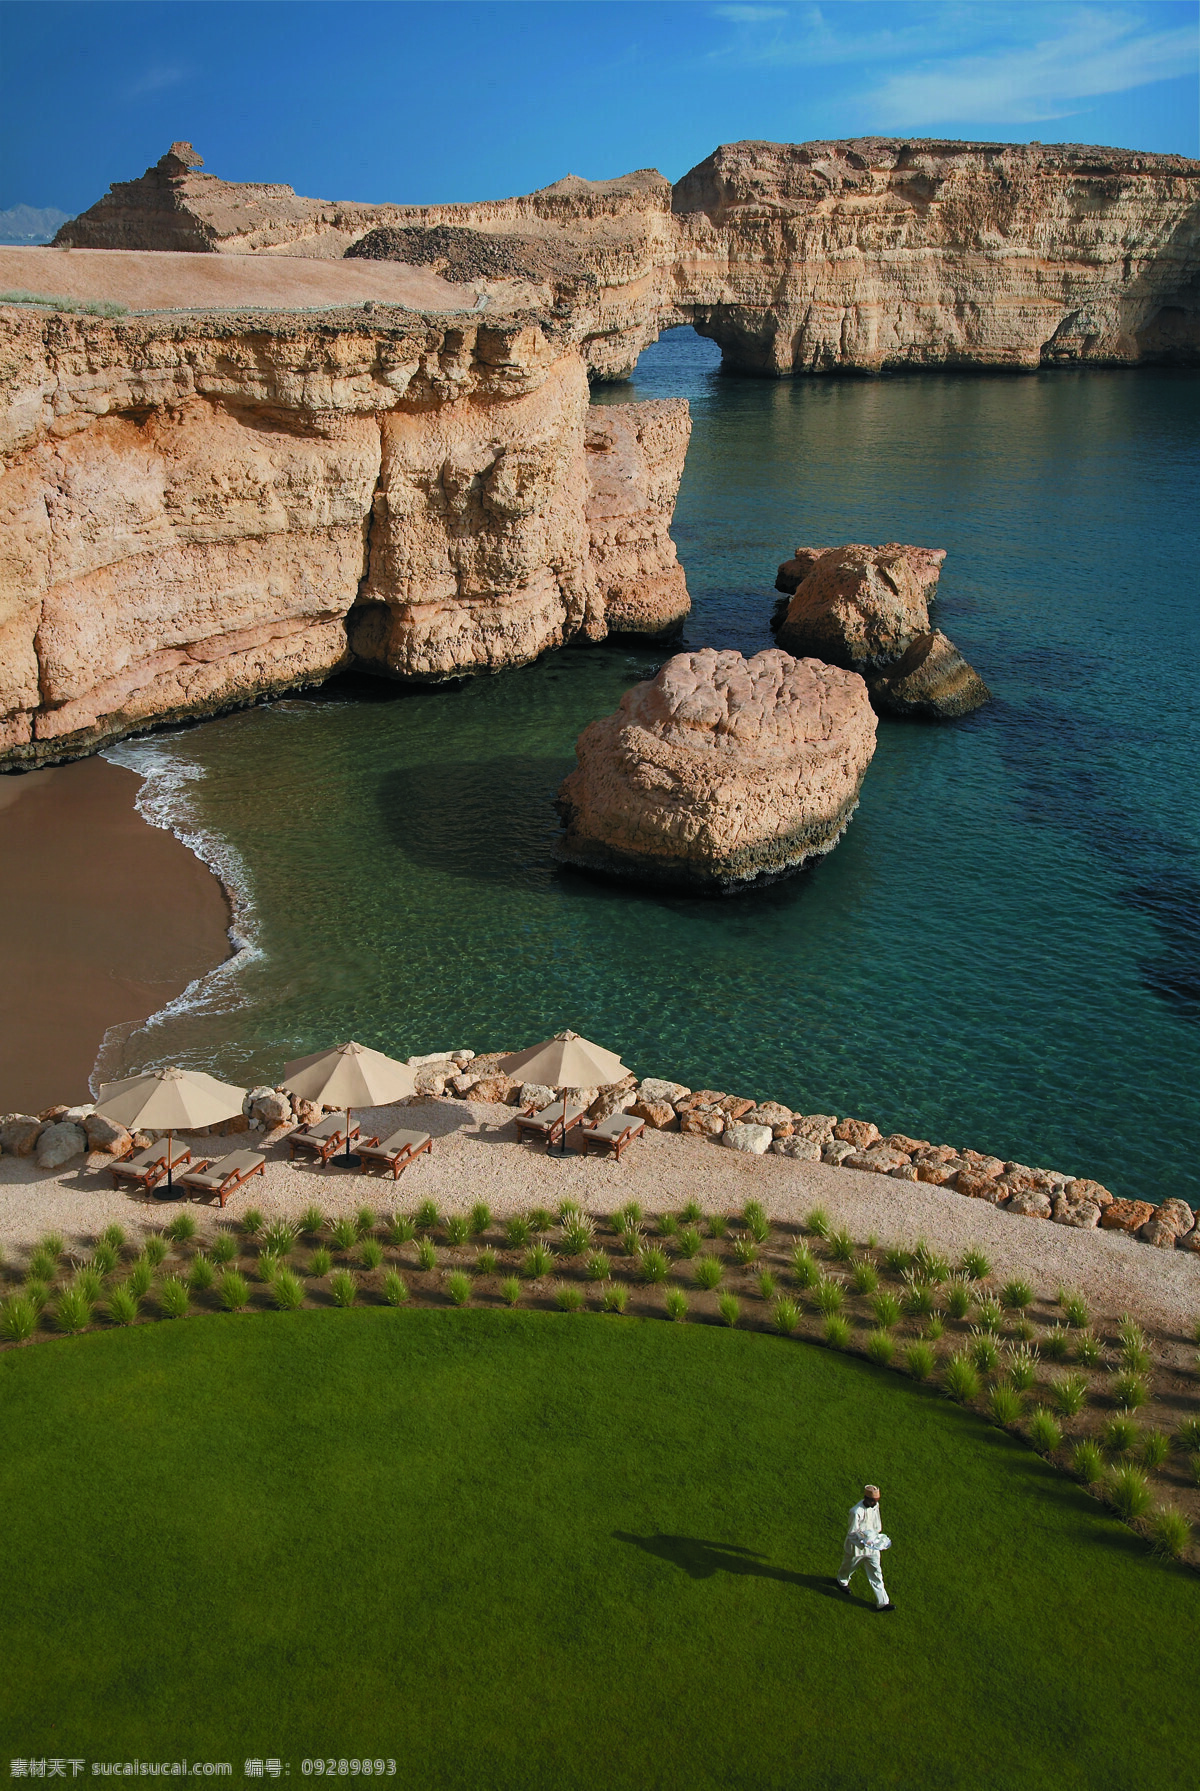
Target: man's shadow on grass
(701,1560)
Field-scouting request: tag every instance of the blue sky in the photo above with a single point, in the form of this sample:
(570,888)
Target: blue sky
(416,101)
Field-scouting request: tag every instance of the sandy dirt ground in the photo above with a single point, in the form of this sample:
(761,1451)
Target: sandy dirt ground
(164,279)
(475,1157)
(153,918)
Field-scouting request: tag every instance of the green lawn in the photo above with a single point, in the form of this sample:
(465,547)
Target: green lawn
(526,1550)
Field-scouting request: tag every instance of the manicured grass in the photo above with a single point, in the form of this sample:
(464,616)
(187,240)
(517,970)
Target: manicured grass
(523,1550)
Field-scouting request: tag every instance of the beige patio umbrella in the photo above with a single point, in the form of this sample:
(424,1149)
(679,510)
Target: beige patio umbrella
(349,1076)
(170,1101)
(565,1061)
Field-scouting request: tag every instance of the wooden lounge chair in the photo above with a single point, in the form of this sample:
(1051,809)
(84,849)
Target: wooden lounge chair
(223,1177)
(613,1133)
(149,1166)
(550,1123)
(323,1140)
(396,1152)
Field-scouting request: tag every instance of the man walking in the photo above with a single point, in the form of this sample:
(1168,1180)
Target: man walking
(864,1543)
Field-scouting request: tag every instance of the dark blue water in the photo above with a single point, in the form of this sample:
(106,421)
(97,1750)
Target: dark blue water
(1004,951)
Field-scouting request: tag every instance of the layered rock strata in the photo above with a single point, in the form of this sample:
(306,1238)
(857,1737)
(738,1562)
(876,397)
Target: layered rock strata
(201,511)
(720,772)
(861,255)
(867,608)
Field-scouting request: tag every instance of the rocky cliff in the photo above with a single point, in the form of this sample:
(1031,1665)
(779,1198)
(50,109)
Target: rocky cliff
(200,510)
(814,257)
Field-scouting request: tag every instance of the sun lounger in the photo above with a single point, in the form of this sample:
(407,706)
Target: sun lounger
(613,1133)
(223,1177)
(549,1123)
(396,1152)
(149,1166)
(323,1140)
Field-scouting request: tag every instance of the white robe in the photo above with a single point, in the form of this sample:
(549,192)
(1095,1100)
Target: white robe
(862,1549)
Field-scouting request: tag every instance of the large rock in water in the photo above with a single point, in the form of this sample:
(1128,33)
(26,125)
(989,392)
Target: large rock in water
(867,608)
(721,771)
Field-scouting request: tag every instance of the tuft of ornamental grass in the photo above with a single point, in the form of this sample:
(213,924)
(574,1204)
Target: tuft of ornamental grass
(201,1273)
(517,1233)
(343,1235)
(974,1265)
(343,1287)
(668,1225)
(920,1299)
(174,1298)
(578,1234)
(1130,1391)
(458,1228)
(140,1276)
(1069,1395)
(817,1222)
(370,1253)
(960,1377)
(1118,1434)
(631,1239)
(395,1288)
(841,1246)
(805,1266)
(279,1238)
(597,1265)
(688,1242)
(1187,1437)
(87,1281)
(320,1262)
(885,1310)
(653,1265)
(958,1297)
(1055,1344)
(401,1229)
(1004,1406)
(481,1218)
(837,1331)
(486,1260)
(932,1329)
(864,1276)
(755,1220)
(312,1222)
(729,1308)
(745,1251)
(1136,1358)
(427,1217)
(1022,1330)
(1022,1367)
(538,1261)
(53,1244)
(568,1210)
(785,1315)
(113,1235)
(182,1228)
(224,1247)
(989,1316)
(104,1258)
(568,1297)
(123,1305)
(768,1286)
(252,1221)
(1088,1352)
(1128,1492)
(427,1256)
(929,1265)
(984,1351)
(43,1265)
(154,1249)
(268,1266)
(676,1303)
(616,1297)
(458,1287)
(1087,1463)
(1194,1468)
(1045,1431)
(1156,1447)
(364,1220)
(881,1347)
(287,1290)
(37,1293)
(709,1272)
(1170,1532)
(829,1296)
(1016,1295)
(718,1225)
(541,1220)
(897,1259)
(920,1360)
(692,1213)
(18,1319)
(510,1290)
(233,1291)
(1074,1309)
(631,1212)
(1131,1334)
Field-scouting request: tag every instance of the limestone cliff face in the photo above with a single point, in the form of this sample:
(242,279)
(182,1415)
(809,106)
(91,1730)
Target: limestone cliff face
(198,511)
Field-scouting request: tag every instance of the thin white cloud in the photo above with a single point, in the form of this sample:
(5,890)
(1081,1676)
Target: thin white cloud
(749,15)
(154,80)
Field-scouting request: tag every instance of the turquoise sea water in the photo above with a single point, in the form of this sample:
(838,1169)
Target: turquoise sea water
(1004,950)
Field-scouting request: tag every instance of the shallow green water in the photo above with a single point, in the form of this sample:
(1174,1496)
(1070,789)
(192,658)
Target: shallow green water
(1004,951)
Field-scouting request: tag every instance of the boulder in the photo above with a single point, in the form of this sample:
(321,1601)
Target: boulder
(60,1142)
(254,1094)
(658,1114)
(910,1146)
(19,1133)
(807,1149)
(1126,1215)
(1083,1214)
(438,1057)
(49,1115)
(931,682)
(462,1058)
(938,1173)
(879,1160)
(461,1085)
(307,1112)
(858,1132)
(653,1088)
(906,1172)
(272,1109)
(702,1100)
(720,772)
(861,606)
(1192,1240)
(706,1123)
(76,1116)
(431,1081)
(793,572)
(616,1097)
(1081,1189)
(837,1150)
(770,1113)
(1031,1203)
(494,1089)
(106,1135)
(535,1095)
(981,1187)
(1156,1231)
(817,1126)
(1178,1215)
(754,1139)
(981,1164)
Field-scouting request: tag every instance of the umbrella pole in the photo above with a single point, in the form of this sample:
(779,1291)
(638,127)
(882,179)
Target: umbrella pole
(170,1154)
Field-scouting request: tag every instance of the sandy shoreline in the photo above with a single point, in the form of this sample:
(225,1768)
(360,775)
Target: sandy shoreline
(105,919)
(476,1157)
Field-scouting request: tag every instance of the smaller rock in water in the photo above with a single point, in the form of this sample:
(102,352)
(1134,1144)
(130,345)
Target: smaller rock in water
(59,1143)
(806,1149)
(931,682)
(755,1139)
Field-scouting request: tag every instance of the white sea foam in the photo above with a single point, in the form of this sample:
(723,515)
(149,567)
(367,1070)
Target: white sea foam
(167,800)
